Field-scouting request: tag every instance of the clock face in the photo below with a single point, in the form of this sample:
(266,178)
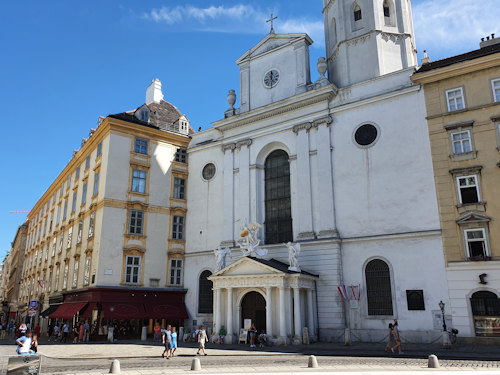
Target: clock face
(271,78)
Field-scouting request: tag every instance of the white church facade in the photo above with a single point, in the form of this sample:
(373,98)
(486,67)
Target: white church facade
(340,166)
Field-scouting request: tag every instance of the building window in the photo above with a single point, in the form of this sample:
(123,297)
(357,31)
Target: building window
(387,11)
(175,271)
(455,99)
(54,241)
(49,287)
(141,146)
(70,233)
(135,223)
(87,162)
(415,299)
(468,189)
(68,183)
(366,135)
(205,294)
(65,211)
(476,245)
(357,13)
(139,181)
(86,273)
(59,248)
(73,206)
(56,284)
(91,224)
(84,194)
(58,215)
(62,191)
(181,155)
(495,86)
(75,274)
(99,149)
(96,183)
(177,227)
(133,270)
(65,276)
(485,303)
(461,142)
(77,173)
(278,221)
(179,188)
(378,288)
(80,230)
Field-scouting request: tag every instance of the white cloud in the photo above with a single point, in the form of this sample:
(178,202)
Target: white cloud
(453,27)
(238,18)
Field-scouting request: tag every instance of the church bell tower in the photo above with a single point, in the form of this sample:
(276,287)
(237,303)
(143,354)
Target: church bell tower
(367,38)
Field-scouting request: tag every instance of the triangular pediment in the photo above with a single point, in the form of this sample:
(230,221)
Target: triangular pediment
(247,266)
(273,42)
(473,218)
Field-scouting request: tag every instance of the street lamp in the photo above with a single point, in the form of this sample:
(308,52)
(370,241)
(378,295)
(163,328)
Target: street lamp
(441,306)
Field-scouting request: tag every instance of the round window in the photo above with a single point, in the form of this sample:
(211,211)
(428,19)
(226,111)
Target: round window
(208,171)
(365,135)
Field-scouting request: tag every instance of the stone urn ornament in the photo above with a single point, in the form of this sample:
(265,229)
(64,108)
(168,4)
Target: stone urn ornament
(231,98)
(322,66)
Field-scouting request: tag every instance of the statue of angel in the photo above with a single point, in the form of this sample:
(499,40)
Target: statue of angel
(293,253)
(249,244)
(221,255)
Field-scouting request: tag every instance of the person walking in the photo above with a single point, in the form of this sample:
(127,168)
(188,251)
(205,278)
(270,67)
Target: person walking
(222,335)
(75,332)
(50,330)
(253,334)
(398,345)
(86,331)
(57,332)
(391,342)
(65,332)
(202,338)
(174,342)
(167,342)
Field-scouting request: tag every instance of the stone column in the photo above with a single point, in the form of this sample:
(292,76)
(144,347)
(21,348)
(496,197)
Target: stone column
(269,311)
(310,313)
(304,182)
(228,209)
(229,328)
(327,227)
(282,314)
(297,319)
(217,311)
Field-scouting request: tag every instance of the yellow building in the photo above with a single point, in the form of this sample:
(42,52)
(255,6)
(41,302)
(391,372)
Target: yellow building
(462,95)
(106,240)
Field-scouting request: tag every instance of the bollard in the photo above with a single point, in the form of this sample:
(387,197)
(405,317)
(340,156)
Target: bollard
(115,367)
(312,362)
(433,362)
(195,364)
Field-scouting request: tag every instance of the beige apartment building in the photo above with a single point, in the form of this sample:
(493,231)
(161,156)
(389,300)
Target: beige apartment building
(106,240)
(462,95)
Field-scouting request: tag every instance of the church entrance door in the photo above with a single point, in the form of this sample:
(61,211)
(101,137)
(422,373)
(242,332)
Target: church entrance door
(253,306)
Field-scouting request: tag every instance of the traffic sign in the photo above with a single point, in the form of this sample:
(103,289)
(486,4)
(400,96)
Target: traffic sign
(33,304)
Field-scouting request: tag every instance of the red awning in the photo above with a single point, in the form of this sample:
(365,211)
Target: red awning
(166,311)
(68,310)
(123,310)
(87,313)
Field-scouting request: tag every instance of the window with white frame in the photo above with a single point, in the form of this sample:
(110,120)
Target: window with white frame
(84,194)
(91,224)
(99,149)
(86,273)
(138,181)
(181,155)
(135,222)
(175,271)
(179,188)
(65,276)
(177,227)
(476,244)
(54,241)
(65,212)
(468,189)
(61,240)
(73,207)
(56,284)
(461,142)
(96,183)
(75,273)
(80,230)
(141,146)
(495,86)
(133,270)
(70,233)
(455,99)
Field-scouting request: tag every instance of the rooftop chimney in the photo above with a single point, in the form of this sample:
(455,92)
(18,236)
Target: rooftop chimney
(426,59)
(489,41)
(153,92)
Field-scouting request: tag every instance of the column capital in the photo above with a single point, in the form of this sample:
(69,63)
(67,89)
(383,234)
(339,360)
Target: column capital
(244,142)
(228,146)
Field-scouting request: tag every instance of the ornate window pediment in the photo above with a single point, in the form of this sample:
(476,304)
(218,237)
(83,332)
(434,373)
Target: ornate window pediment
(473,217)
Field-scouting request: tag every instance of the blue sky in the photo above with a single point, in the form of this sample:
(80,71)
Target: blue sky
(65,63)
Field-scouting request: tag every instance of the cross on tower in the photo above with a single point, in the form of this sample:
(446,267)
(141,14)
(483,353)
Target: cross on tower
(271,20)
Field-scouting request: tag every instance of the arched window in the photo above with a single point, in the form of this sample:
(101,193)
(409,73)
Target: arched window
(387,10)
(278,220)
(205,294)
(378,288)
(485,304)
(357,13)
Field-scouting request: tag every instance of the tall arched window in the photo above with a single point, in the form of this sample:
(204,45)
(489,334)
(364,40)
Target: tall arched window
(378,288)
(277,199)
(357,13)
(485,303)
(205,294)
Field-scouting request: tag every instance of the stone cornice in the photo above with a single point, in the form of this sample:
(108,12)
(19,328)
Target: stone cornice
(460,124)
(465,170)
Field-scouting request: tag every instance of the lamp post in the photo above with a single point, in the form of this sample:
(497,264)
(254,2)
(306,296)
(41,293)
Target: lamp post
(446,338)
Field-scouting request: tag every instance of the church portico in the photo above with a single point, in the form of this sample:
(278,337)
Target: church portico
(268,294)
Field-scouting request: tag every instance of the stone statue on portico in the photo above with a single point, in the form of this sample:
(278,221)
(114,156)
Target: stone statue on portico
(249,245)
(220,257)
(293,253)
